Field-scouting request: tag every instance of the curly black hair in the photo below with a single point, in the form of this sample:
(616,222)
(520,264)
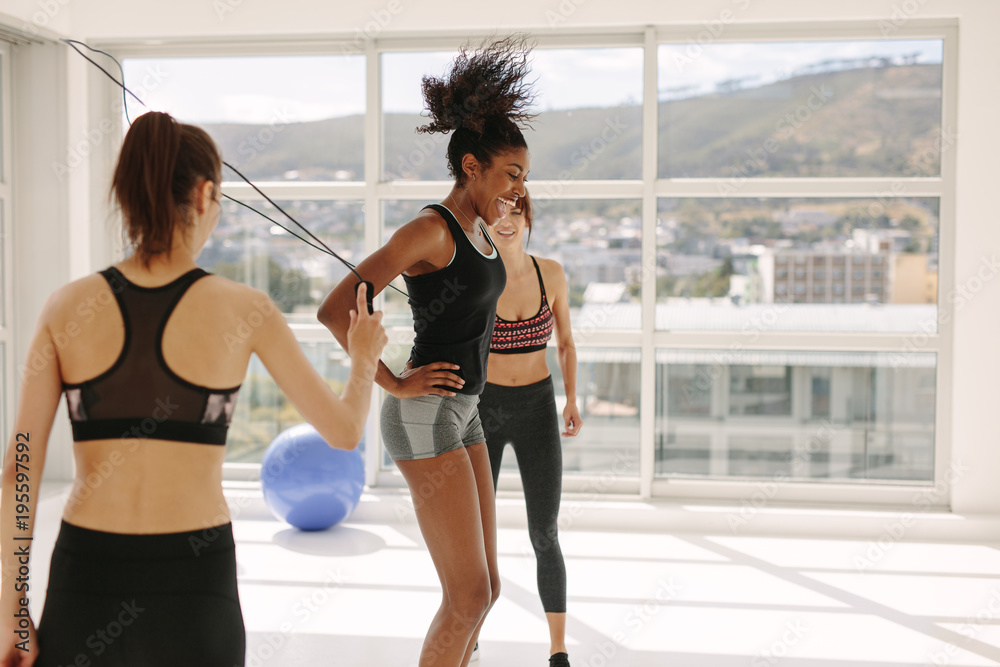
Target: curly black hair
(483,100)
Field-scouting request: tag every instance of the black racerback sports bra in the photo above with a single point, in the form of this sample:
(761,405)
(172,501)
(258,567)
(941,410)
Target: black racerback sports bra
(139,396)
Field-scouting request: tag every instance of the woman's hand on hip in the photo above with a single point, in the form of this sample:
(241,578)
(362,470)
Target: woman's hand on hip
(421,381)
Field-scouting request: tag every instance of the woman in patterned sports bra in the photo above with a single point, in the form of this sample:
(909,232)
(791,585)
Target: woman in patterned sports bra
(150,353)
(518,403)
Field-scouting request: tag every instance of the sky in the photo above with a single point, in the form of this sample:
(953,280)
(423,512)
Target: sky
(306,88)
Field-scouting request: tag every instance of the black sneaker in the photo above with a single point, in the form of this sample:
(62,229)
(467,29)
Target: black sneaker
(559,660)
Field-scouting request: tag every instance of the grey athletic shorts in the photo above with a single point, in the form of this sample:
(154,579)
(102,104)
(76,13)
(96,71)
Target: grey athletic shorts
(428,426)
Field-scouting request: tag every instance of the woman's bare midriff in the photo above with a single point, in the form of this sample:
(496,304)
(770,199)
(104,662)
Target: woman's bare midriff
(145,486)
(516,370)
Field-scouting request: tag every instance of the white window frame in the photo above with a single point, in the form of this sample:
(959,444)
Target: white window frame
(648,190)
(9,379)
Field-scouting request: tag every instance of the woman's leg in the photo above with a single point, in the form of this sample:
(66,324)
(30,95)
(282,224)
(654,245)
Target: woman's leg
(539,457)
(485,483)
(451,519)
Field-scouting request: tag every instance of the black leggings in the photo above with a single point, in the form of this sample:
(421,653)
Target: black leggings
(526,418)
(151,600)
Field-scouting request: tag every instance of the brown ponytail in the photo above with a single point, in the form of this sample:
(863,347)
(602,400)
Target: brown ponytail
(161,162)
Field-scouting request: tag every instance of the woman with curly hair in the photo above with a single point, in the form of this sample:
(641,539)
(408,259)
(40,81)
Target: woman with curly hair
(454,276)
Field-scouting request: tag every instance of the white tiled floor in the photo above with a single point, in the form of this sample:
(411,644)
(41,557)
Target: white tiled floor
(361,594)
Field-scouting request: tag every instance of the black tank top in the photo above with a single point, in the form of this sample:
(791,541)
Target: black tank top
(454,308)
(139,396)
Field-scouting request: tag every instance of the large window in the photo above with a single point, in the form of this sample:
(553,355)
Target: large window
(783,202)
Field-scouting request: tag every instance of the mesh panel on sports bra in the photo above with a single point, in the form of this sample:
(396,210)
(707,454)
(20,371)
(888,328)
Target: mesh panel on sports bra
(139,396)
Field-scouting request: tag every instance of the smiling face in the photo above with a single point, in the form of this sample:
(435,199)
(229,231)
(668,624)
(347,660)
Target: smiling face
(497,188)
(510,230)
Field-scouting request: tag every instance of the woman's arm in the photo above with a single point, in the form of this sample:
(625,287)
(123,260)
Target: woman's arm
(41,389)
(558,294)
(424,243)
(340,420)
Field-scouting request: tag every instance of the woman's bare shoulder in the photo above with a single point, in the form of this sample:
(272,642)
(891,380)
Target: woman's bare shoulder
(552,271)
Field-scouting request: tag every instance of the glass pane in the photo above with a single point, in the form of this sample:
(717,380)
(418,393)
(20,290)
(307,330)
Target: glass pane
(589,124)
(756,265)
(608,398)
(760,390)
(591,131)
(247,248)
(597,241)
(846,108)
(262,411)
(395,214)
(796,415)
(291,118)
(607,390)
(407,155)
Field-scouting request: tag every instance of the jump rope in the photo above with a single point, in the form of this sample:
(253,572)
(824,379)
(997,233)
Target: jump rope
(321,247)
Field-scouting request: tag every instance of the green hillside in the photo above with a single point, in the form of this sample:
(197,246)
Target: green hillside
(873,121)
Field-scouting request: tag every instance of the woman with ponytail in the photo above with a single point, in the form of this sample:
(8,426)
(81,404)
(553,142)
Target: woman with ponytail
(454,276)
(150,356)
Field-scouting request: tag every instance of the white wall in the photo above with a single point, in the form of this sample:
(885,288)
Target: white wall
(41,211)
(975,399)
(38,16)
